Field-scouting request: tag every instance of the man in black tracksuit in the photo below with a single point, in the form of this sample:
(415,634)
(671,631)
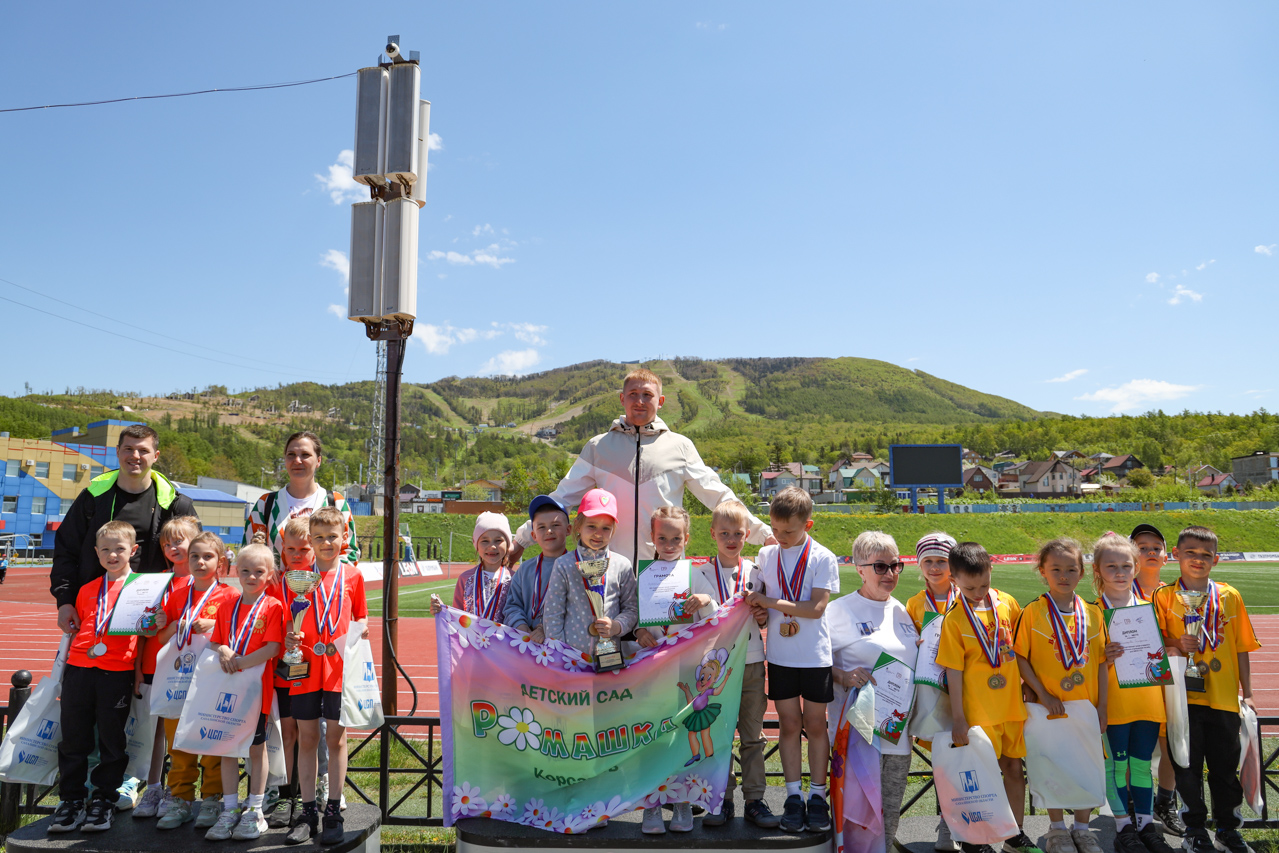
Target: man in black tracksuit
(134,493)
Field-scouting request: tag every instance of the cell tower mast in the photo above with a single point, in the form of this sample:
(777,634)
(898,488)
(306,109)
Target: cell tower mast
(377,434)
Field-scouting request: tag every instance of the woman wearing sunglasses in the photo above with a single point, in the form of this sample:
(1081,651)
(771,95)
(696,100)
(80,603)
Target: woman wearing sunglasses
(862,626)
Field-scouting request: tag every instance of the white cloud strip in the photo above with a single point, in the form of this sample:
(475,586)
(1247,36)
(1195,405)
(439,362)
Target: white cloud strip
(1138,393)
(512,362)
(1074,374)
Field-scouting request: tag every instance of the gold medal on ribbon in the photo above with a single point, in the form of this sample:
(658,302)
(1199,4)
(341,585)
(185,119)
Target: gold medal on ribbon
(996,681)
(1067,684)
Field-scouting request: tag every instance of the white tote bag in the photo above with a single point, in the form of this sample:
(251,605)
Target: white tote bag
(1178,714)
(970,789)
(222,709)
(1065,766)
(277,772)
(139,732)
(173,670)
(932,712)
(1250,758)
(29,752)
(361,699)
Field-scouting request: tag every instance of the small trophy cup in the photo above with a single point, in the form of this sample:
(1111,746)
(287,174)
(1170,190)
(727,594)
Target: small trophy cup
(1194,621)
(291,666)
(607,656)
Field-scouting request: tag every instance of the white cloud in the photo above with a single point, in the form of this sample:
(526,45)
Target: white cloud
(1266,250)
(1206,264)
(512,362)
(438,340)
(481,229)
(488,256)
(335,259)
(1183,293)
(434,143)
(528,333)
(1258,391)
(1137,393)
(338,311)
(1152,277)
(1074,374)
(339,184)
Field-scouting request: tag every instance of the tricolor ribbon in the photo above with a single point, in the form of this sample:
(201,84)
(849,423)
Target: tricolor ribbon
(538,593)
(1072,643)
(240,640)
(793,586)
(103,617)
(722,587)
(187,621)
(337,592)
(988,639)
(932,602)
(489,611)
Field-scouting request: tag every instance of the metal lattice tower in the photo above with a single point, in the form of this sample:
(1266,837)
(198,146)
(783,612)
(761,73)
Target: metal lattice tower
(377,435)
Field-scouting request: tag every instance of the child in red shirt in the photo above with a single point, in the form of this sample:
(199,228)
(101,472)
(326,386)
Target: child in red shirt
(337,606)
(175,536)
(249,632)
(97,689)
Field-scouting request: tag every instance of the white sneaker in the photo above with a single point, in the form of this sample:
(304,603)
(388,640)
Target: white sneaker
(226,823)
(152,798)
(682,819)
(210,810)
(252,824)
(653,823)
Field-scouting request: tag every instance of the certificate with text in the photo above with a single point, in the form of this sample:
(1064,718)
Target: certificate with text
(926,669)
(1144,662)
(138,603)
(894,696)
(664,588)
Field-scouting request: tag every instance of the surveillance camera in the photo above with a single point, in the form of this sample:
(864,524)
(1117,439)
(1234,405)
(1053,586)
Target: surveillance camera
(393,50)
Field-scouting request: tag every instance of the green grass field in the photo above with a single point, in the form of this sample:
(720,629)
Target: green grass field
(1255,581)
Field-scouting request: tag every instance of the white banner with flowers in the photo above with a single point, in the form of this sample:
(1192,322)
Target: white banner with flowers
(549,743)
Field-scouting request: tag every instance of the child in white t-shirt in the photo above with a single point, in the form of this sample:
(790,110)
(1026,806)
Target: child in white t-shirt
(797,577)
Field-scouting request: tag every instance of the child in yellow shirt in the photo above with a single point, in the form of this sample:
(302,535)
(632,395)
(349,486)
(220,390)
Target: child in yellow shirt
(1133,714)
(1060,647)
(1222,648)
(985,683)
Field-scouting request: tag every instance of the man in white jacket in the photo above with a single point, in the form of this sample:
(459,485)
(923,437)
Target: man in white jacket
(667,462)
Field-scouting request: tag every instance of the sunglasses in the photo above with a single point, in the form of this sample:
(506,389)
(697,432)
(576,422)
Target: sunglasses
(884,568)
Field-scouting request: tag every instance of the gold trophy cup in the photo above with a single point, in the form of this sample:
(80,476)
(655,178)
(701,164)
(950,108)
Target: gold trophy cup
(607,656)
(291,666)
(1192,600)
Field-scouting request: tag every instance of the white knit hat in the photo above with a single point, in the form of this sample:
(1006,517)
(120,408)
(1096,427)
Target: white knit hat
(934,545)
(487,521)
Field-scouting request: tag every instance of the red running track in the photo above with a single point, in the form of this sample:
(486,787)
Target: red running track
(31,639)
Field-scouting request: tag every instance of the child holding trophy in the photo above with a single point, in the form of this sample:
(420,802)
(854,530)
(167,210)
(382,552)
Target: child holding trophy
(591,599)
(1206,619)
(336,606)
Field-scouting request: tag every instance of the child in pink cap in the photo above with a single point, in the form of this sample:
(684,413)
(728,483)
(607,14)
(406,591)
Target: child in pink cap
(566,611)
(481,589)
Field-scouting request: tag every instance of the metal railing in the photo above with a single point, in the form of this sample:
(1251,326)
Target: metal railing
(419,739)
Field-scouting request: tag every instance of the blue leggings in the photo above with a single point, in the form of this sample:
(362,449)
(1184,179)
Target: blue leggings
(1131,746)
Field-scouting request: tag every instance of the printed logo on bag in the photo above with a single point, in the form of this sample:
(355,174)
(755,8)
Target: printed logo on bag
(47,730)
(973,817)
(32,758)
(213,734)
(968,781)
(130,726)
(369,675)
(365,704)
(175,695)
(226,703)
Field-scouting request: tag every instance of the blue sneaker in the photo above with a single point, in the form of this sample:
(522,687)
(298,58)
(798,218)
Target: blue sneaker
(794,816)
(127,795)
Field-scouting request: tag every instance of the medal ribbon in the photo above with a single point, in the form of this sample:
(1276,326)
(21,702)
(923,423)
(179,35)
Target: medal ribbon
(723,587)
(187,621)
(1137,590)
(490,611)
(103,617)
(989,645)
(950,599)
(538,592)
(240,641)
(1210,637)
(337,592)
(794,585)
(1071,643)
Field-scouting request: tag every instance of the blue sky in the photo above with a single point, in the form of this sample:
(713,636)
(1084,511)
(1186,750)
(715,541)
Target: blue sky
(1072,205)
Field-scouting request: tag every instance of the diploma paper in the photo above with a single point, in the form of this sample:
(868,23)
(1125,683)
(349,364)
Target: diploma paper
(664,587)
(141,595)
(926,669)
(894,695)
(1144,662)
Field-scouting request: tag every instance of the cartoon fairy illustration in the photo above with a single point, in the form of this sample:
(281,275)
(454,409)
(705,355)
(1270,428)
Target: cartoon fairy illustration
(705,712)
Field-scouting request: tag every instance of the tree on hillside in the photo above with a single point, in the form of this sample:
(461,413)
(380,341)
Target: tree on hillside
(517,492)
(1141,478)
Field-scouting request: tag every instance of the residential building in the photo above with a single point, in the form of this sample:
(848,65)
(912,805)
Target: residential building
(1259,468)
(492,488)
(1054,477)
(980,479)
(1070,456)
(972,457)
(244,491)
(1217,484)
(772,482)
(1120,466)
